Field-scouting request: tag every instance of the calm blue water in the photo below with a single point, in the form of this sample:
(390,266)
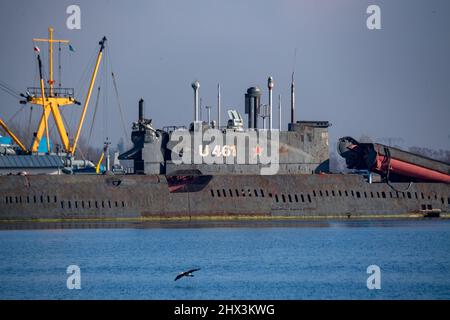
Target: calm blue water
(301,262)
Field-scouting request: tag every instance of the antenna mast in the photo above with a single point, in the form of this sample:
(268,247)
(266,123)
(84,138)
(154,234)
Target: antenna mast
(293,89)
(218,105)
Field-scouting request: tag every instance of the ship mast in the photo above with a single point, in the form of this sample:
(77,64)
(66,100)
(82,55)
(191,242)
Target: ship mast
(50,42)
(51,99)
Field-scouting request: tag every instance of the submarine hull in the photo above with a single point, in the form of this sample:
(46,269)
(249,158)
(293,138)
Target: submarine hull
(27,198)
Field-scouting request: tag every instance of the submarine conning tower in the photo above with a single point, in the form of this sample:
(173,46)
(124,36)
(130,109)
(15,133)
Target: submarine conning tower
(148,146)
(303,148)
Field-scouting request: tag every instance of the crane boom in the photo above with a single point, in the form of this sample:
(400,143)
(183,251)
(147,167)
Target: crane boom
(12,135)
(86,103)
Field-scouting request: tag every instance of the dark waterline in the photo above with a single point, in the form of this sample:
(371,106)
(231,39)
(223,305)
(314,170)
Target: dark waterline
(214,223)
(277,260)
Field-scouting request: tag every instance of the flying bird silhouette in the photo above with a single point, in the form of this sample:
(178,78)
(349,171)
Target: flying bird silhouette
(186,274)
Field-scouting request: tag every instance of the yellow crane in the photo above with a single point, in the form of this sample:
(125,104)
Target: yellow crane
(51,99)
(86,102)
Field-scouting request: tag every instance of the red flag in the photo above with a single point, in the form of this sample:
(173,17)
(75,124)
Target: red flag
(36,48)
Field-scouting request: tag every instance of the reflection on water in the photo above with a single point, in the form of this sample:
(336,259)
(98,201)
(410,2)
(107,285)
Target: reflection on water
(230,223)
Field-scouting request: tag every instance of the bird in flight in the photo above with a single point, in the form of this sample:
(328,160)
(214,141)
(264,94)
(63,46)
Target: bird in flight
(186,274)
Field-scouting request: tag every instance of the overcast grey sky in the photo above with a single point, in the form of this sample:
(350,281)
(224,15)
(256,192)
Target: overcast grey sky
(393,82)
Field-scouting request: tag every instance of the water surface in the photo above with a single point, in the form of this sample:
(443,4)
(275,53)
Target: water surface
(301,260)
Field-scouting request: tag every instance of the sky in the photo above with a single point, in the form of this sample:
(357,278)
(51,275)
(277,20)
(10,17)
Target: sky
(391,84)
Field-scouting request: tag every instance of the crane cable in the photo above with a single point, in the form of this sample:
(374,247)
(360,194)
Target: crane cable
(95,113)
(106,95)
(15,114)
(9,90)
(119,105)
(14,94)
(122,119)
(81,88)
